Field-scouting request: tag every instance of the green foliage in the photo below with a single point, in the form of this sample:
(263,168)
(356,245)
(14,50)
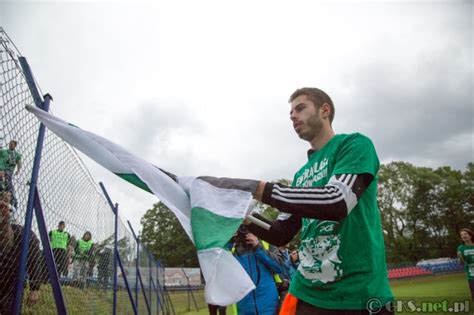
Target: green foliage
(164,237)
(423,209)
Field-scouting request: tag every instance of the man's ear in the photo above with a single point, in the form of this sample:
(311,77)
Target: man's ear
(325,110)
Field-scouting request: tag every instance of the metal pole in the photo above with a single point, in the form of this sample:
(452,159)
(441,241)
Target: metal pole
(49,257)
(26,233)
(114,309)
(137,267)
(159,300)
(135,311)
(116,255)
(150,278)
(31,82)
(138,270)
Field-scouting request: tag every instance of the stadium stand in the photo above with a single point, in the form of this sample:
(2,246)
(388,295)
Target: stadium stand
(425,267)
(441,265)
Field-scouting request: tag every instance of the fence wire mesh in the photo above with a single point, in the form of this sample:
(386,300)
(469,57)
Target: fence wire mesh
(79,221)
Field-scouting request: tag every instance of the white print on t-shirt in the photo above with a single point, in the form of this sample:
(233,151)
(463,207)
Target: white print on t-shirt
(313,174)
(319,260)
(468,252)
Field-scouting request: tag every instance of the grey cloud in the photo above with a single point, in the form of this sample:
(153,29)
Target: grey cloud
(418,110)
(156,120)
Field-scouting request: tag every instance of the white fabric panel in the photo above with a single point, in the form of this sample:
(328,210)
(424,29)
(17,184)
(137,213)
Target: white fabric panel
(222,272)
(228,203)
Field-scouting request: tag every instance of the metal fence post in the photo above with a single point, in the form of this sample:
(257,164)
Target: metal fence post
(26,233)
(137,268)
(117,259)
(150,278)
(49,257)
(138,272)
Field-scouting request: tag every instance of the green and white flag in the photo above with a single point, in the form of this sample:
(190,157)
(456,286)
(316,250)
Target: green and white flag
(209,210)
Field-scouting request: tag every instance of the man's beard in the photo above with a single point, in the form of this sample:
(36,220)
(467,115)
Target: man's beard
(314,125)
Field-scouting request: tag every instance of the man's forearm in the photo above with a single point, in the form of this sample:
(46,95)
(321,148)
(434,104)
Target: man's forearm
(331,202)
(281,232)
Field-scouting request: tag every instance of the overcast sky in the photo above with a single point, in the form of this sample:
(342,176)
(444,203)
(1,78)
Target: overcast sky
(201,87)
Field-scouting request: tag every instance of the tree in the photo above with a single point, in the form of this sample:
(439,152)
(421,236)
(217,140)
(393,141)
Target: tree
(423,209)
(165,238)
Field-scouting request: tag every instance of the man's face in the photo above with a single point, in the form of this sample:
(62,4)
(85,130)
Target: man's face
(6,197)
(61,227)
(465,236)
(305,117)
(12,145)
(4,213)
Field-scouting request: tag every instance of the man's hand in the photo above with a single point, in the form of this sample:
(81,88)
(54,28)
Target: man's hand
(251,240)
(33,297)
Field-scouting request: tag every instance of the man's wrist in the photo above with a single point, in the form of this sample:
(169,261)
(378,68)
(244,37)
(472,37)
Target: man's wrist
(258,195)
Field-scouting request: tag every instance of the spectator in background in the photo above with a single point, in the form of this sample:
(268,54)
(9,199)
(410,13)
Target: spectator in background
(60,240)
(9,160)
(10,252)
(289,261)
(261,267)
(104,267)
(84,250)
(6,197)
(70,255)
(466,256)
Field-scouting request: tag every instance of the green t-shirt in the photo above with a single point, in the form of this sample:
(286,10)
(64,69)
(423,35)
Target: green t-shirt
(467,252)
(342,265)
(9,159)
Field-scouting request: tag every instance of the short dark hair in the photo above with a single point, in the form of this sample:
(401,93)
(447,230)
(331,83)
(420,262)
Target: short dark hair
(14,141)
(61,223)
(317,96)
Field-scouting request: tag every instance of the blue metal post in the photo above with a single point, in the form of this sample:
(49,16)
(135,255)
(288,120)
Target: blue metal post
(26,234)
(150,278)
(137,269)
(135,311)
(159,301)
(138,272)
(31,82)
(49,257)
(116,255)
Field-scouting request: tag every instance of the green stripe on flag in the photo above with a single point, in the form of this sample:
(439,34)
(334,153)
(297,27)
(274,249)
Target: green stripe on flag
(211,230)
(135,180)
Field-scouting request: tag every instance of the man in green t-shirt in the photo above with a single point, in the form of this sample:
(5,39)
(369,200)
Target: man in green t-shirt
(466,256)
(333,201)
(9,160)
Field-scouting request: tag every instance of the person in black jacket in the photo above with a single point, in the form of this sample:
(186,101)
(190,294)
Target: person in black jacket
(10,252)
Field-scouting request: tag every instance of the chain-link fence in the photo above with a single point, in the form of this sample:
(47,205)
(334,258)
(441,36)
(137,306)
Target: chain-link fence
(77,221)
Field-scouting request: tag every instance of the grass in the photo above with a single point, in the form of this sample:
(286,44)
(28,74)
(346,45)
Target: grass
(433,289)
